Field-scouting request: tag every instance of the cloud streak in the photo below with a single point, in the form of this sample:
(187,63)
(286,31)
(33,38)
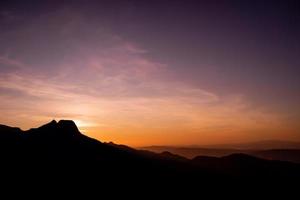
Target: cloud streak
(113,89)
(118,92)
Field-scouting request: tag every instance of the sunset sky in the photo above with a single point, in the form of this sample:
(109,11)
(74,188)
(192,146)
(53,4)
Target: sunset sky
(153,73)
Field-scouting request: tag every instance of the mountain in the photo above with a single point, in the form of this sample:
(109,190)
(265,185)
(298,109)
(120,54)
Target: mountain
(57,152)
(258,145)
(191,152)
(291,155)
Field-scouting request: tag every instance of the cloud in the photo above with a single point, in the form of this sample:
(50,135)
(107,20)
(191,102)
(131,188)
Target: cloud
(131,100)
(8,64)
(108,83)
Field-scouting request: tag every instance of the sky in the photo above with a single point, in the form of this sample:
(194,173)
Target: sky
(153,72)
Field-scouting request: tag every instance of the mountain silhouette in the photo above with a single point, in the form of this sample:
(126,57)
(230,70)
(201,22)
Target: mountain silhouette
(58,152)
(288,154)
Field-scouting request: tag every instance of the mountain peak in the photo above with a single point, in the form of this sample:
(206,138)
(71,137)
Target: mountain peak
(49,125)
(68,126)
(62,127)
(53,122)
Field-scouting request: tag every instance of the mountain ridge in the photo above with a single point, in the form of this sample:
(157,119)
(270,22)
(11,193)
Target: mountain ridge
(59,151)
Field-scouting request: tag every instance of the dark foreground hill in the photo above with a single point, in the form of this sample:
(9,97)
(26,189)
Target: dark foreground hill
(58,154)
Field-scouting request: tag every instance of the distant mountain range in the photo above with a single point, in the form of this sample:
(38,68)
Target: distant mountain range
(258,145)
(58,152)
(267,150)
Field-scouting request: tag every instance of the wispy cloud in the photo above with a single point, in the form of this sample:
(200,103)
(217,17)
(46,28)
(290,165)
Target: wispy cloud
(111,85)
(104,90)
(7,64)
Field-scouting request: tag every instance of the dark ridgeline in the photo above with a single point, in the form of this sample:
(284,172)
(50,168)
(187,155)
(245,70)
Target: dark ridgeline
(57,152)
(283,153)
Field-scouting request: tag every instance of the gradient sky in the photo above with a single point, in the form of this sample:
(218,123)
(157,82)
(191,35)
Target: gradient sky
(153,73)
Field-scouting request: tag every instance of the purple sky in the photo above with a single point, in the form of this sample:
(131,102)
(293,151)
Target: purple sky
(165,72)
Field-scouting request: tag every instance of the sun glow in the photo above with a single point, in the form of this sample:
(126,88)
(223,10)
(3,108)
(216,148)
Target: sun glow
(84,125)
